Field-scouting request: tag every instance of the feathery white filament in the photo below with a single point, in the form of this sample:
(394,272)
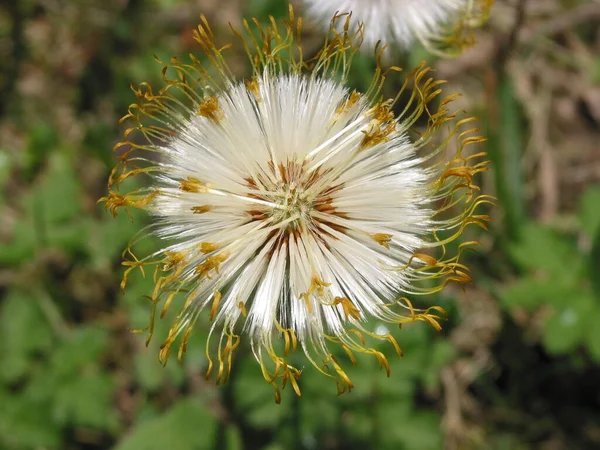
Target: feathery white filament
(292,196)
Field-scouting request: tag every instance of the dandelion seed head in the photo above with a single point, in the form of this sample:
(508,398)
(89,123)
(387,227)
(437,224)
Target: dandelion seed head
(442,26)
(294,210)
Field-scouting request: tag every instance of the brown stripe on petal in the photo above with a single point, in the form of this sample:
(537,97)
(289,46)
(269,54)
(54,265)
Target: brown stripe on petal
(284,173)
(335,226)
(316,175)
(251,183)
(325,208)
(257,214)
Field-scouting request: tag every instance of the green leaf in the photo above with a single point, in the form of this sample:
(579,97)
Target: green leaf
(442,353)
(72,237)
(565,329)
(592,335)
(21,244)
(532,292)
(589,211)
(256,397)
(327,406)
(234,438)
(540,248)
(86,401)
(148,371)
(369,377)
(24,331)
(81,350)
(402,427)
(186,425)
(134,299)
(25,422)
(111,236)
(57,195)
(43,138)
(151,374)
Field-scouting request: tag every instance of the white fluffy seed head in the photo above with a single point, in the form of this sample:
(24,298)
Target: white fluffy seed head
(293,209)
(291,194)
(400,23)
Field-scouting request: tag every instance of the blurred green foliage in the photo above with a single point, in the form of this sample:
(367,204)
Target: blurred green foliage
(74,377)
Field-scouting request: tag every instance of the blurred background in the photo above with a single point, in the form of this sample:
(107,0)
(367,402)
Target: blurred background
(517,365)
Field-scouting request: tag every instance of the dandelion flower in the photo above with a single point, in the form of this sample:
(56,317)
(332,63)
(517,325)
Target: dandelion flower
(293,209)
(442,26)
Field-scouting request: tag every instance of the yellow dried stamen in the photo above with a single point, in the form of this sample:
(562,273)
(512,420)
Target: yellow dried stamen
(343,382)
(183,346)
(316,285)
(225,355)
(291,374)
(382,239)
(242,307)
(393,341)
(131,265)
(114,200)
(209,264)
(307,302)
(172,259)
(202,209)
(348,103)
(349,353)
(116,180)
(289,337)
(215,305)
(383,362)
(191,184)
(209,247)
(382,113)
(288,373)
(376,135)
(253,87)
(167,304)
(165,348)
(354,341)
(209,108)
(427,259)
(350,310)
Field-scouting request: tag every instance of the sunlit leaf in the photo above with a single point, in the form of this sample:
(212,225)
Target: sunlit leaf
(564,331)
